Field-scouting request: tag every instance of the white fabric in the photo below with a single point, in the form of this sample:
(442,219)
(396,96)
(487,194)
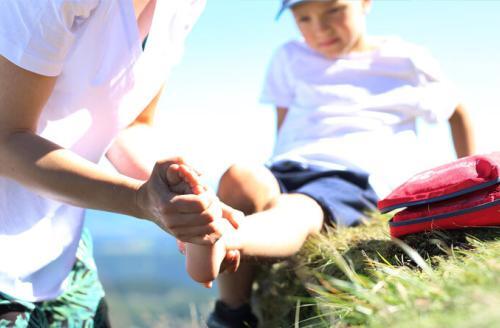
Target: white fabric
(358,111)
(105,80)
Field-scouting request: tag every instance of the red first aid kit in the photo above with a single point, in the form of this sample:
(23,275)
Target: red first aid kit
(460,194)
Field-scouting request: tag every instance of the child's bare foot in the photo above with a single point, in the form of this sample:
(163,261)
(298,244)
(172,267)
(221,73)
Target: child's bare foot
(183,180)
(203,263)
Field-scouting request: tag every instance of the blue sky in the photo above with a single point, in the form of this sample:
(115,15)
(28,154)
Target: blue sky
(210,110)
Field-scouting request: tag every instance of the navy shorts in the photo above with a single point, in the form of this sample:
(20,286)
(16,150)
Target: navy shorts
(345,196)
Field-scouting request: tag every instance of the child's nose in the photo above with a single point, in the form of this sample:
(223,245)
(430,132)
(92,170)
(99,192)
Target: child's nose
(322,25)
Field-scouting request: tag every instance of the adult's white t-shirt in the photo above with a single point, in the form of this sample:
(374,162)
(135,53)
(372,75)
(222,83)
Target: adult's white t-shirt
(358,111)
(105,80)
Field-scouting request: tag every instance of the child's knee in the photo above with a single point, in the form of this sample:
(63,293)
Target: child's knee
(247,189)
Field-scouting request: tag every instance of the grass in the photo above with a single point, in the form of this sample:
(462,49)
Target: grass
(359,277)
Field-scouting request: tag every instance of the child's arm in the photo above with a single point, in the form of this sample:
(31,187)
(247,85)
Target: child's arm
(462,133)
(281,111)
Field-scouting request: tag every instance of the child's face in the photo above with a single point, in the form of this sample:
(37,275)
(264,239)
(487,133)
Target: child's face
(332,28)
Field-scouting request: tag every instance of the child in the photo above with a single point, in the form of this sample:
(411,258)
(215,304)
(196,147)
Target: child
(347,106)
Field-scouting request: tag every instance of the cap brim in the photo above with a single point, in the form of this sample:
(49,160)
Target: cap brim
(287,4)
(291,3)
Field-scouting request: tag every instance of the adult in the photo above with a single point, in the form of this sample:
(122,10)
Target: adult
(76,84)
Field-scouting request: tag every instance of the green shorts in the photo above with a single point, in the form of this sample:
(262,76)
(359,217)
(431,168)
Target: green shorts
(81,305)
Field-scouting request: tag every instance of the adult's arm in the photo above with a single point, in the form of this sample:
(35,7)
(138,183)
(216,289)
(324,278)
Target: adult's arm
(462,132)
(134,153)
(57,173)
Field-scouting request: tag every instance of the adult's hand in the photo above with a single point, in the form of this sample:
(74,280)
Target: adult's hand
(189,218)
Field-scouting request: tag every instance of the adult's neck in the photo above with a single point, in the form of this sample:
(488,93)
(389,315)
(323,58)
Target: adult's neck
(144,10)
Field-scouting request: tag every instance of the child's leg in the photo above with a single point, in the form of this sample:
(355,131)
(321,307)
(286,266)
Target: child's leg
(276,224)
(281,229)
(277,227)
(202,262)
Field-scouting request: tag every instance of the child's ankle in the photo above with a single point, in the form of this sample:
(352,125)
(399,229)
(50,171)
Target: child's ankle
(231,242)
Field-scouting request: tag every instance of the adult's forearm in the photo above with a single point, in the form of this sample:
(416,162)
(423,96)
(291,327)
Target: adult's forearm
(57,173)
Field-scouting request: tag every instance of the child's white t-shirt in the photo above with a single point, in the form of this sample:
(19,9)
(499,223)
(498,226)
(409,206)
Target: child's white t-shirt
(358,111)
(105,80)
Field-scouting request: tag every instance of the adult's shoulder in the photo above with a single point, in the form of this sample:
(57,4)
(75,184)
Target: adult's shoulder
(37,7)
(37,35)
(46,14)
(76,8)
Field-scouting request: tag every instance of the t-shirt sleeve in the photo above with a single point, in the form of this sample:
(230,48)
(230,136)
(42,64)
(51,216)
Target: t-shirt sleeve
(38,35)
(438,97)
(278,84)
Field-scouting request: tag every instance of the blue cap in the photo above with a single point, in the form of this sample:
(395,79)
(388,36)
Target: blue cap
(285,4)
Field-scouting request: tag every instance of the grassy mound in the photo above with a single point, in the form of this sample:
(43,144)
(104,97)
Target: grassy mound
(360,277)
